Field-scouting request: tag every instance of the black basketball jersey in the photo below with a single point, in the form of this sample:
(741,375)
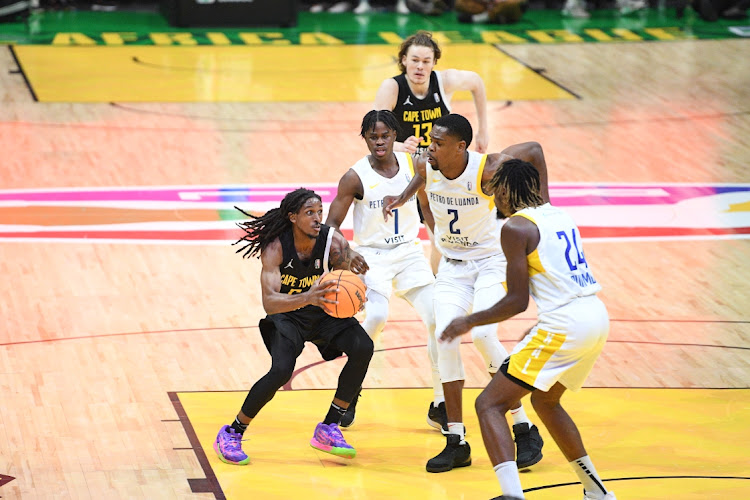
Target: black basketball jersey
(309,323)
(298,276)
(415,116)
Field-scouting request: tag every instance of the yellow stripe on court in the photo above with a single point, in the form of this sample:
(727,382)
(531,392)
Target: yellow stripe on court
(350,73)
(641,440)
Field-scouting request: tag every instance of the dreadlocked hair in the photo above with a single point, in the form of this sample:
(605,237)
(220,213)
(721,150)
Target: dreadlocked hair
(261,230)
(421,38)
(521,180)
(383,116)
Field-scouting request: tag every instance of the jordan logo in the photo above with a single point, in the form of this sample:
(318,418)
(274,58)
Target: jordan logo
(408,101)
(289,265)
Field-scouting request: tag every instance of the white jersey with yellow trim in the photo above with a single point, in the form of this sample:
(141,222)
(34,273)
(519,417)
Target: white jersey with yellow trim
(558,271)
(466,223)
(369,227)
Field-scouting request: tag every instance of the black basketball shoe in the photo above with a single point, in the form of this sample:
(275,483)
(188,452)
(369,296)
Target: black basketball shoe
(348,418)
(437,417)
(453,455)
(528,445)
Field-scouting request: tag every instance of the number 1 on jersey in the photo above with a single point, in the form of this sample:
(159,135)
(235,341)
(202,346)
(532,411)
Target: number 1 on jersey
(395,220)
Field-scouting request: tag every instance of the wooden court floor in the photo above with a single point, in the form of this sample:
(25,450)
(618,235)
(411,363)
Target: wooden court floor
(124,347)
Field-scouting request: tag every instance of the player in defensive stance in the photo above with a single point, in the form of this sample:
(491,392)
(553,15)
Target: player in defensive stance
(543,248)
(392,249)
(472,269)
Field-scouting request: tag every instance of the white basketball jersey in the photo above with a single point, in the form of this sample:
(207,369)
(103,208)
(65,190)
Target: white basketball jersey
(466,223)
(558,271)
(369,227)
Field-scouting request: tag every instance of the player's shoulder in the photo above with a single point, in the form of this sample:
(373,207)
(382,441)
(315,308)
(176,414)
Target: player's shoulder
(273,253)
(391,83)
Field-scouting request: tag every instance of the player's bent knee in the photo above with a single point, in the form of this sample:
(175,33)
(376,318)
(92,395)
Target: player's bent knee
(541,400)
(363,349)
(280,375)
(486,403)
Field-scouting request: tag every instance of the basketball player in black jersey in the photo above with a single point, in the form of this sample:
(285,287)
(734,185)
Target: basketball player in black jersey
(419,96)
(296,249)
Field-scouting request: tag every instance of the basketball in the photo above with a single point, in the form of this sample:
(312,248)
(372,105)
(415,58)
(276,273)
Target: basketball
(350,297)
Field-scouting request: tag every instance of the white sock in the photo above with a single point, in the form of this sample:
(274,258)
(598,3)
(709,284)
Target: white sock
(519,416)
(510,481)
(439,399)
(590,480)
(457,428)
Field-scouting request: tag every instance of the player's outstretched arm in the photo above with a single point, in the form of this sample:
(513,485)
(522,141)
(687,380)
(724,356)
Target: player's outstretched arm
(350,187)
(519,237)
(455,79)
(392,202)
(341,256)
(531,152)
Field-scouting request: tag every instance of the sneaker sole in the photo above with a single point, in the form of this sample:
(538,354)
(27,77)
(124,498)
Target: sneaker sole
(333,450)
(444,469)
(434,424)
(531,462)
(226,460)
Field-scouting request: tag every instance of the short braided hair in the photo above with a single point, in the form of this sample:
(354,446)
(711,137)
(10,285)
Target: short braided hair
(383,116)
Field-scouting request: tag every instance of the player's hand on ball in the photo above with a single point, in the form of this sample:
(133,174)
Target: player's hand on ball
(456,328)
(320,289)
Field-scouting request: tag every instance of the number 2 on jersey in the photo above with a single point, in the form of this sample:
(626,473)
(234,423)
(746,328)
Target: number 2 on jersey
(579,258)
(452,229)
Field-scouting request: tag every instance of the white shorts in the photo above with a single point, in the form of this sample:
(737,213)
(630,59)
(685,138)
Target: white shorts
(461,282)
(562,347)
(400,268)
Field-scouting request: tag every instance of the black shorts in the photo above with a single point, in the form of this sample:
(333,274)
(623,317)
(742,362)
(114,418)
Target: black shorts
(309,324)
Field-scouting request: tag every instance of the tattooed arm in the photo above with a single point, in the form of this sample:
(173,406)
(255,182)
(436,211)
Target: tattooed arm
(342,256)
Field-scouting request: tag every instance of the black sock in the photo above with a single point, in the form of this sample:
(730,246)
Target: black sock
(335,412)
(238,426)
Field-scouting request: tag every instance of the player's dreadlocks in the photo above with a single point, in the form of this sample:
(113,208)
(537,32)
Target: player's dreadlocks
(384,116)
(521,180)
(262,230)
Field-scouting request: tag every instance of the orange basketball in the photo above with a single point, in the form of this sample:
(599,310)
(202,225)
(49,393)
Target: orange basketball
(350,297)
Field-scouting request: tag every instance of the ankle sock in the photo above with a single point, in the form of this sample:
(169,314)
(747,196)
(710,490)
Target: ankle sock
(590,480)
(335,412)
(510,481)
(519,416)
(238,426)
